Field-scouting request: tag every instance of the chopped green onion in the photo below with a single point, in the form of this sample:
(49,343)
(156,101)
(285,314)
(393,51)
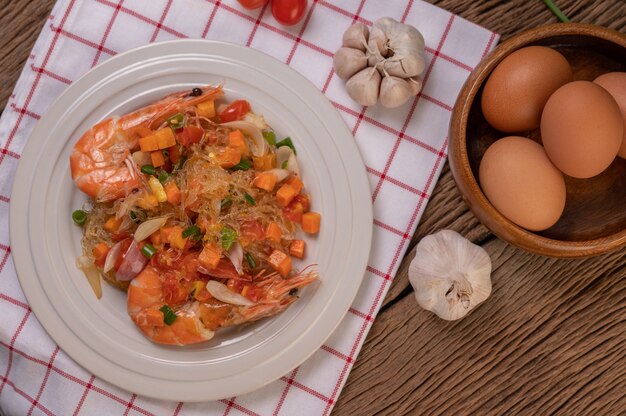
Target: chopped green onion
(133,216)
(228,238)
(284,164)
(270,137)
(287,142)
(163,176)
(249,199)
(245,164)
(177,121)
(148,250)
(181,162)
(250,260)
(148,170)
(226,202)
(169,316)
(192,231)
(79,216)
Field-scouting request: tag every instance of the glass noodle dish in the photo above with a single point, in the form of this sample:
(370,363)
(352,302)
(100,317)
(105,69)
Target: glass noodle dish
(194,210)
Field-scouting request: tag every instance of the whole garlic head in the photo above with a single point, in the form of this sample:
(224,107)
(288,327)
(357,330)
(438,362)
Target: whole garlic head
(394,49)
(450,274)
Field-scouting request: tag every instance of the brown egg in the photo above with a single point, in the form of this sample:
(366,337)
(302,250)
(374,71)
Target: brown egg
(518,88)
(615,84)
(581,129)
(520,181)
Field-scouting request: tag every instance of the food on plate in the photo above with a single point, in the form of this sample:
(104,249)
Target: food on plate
(382,64)
(615,84)
(519,87)
(450,274)
(582,129)
(519,180)
(288,12)
(194,210)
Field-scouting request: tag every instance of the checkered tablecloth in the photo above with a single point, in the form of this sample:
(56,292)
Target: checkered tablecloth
(404,150)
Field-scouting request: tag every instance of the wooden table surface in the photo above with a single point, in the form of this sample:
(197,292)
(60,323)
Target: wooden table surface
(551,339)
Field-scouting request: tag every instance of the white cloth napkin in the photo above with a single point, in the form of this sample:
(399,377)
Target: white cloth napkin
(404,150)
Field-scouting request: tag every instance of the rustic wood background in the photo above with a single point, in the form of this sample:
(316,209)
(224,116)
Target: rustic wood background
(551,339)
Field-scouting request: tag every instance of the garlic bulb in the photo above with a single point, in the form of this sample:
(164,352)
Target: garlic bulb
(393,49)
(450,275)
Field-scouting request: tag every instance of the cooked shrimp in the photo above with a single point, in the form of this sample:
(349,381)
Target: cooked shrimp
(100,161)
(197,321)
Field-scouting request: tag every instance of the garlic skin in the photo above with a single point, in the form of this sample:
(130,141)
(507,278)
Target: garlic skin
(450,274)
(356,37)
(348,61)
(394,49)
(363,87)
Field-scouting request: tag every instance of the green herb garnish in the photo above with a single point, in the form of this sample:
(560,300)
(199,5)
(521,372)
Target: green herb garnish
(192,231)
(177,121)
(148,250)
(148,170)
(79,216)
(245,164)
(287,142)
(226,202)
(270,137)
(169,316)
(249,199)
(228,238)
(250,260)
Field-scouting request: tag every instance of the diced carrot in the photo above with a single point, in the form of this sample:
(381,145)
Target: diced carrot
(149,143)
(203,223)
(265,181)
(172,192)
(100,253)
(156,238)
(280,262)
(148,201)
(237,141)
(285,195)
(157,158)
(296,248)
(165,138)
(112,224)
(198,289)
(228,157)
(174,236)
(265,162)
(206,109)
(174,154)
(273,232)
(295,183)
(210,256)
(142,131)
(311,222)
(153,317)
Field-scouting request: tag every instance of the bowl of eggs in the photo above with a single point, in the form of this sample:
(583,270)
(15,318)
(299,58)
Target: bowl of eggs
(538,140)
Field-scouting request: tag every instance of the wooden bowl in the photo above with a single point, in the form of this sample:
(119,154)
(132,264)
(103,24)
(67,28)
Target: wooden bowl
(594,220)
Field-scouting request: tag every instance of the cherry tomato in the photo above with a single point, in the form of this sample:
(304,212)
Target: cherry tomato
(189,135)
(253,4)
(288,12)
(235,111)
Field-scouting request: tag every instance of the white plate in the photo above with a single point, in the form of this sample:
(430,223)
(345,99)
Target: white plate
(99,334)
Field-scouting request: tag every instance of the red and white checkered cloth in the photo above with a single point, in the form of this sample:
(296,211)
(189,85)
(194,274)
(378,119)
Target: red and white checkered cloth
(404,150)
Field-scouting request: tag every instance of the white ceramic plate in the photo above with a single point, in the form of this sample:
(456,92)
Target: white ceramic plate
(99,334)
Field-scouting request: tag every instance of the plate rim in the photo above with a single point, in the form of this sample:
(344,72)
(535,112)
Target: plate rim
(22,254)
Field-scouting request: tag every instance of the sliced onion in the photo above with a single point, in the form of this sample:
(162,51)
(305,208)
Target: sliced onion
(92,274)
(133,263)
(235,255)
(142,158)
(292,164)
(260,146)
(221,292)
(256,119)
(147,228)
(281,174)
(282,155)
(112,257)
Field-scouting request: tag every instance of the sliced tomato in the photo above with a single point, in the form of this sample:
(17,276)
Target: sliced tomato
(235,111)
(288,12)
(252,230)
(253,4)
(189,135)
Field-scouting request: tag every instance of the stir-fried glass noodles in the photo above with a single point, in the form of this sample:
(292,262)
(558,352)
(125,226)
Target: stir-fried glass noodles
(194,210)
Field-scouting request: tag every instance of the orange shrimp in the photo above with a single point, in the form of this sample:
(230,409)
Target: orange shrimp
(100,162)
(197,321)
